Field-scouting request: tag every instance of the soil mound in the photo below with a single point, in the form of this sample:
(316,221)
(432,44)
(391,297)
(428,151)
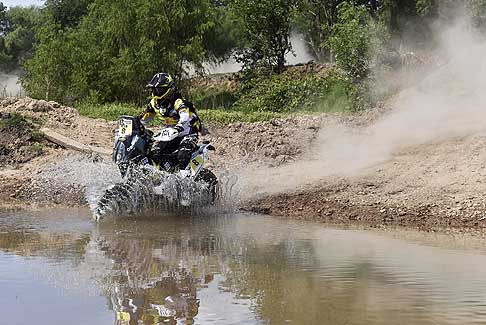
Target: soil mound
(20,140)
(62,119)
(25,153)
(271,143)
(51,114)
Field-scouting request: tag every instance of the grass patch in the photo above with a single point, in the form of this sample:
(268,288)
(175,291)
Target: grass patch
(109,112)
(225,116)
(15,121)
(35,149)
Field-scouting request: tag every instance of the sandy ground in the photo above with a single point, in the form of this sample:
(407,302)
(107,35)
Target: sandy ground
(435,185)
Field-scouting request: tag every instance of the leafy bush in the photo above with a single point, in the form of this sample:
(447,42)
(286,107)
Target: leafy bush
(292,92)
(212,98)
(351,40)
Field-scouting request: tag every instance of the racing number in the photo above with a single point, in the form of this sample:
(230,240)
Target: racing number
(125,127)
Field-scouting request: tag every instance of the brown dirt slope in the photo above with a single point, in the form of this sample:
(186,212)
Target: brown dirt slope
(24,155)
(433,186)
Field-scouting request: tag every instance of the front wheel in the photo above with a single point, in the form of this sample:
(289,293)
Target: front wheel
(206,176)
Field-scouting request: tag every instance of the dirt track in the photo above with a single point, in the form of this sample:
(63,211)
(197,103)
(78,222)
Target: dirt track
(430,186)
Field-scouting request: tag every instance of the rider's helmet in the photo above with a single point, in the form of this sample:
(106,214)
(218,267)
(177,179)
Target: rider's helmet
(163,88)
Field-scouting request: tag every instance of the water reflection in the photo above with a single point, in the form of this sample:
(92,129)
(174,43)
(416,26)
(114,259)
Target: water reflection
(146,282)
(248,269)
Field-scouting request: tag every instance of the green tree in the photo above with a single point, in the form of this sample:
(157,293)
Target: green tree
(67,13)
(222,37)
(3,19)
(265,26)
(17,34)
(117,46)
(47,73)
(351,40)
(315,20)
(5,57)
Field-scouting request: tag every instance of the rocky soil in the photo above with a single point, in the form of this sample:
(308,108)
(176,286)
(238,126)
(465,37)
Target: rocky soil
(431,187)
(271,143)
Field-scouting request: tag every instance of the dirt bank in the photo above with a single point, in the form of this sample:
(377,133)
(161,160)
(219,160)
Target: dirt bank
(25,153)
(435,185)
(440,184)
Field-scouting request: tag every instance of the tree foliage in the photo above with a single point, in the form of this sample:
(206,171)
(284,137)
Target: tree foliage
(17,35)
(265,26)
(105,51)
(47,73)
(315,19)
(223,36)
(351,40)
(117,46)
(67,13)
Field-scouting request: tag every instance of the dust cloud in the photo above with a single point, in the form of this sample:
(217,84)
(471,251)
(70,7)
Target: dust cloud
(10,86)
(448,101)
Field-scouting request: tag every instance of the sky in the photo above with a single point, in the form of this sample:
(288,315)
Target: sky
(11,3)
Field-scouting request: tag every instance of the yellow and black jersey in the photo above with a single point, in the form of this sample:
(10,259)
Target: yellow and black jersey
(181,113)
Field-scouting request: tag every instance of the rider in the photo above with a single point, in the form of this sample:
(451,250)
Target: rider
(174,111)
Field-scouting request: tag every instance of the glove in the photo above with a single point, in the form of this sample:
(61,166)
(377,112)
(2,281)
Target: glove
(179,128)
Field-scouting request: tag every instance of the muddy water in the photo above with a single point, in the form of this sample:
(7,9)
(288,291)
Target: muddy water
(58,267)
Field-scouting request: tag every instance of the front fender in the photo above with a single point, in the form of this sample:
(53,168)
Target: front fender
(119,153)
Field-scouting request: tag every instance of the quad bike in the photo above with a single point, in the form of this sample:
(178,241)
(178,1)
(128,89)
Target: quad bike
(138,152)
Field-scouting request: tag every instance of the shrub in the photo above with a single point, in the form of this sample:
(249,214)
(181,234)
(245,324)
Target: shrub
(292,92)
(15,121)
(351,41)
(212,98)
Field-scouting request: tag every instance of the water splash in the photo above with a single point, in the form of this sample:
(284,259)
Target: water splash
(150,190)
(91,179)
(76,177)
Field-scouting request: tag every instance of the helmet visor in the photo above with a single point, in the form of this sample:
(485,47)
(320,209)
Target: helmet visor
(161,92)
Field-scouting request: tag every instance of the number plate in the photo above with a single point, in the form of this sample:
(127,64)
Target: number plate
(125,129)
(196,162)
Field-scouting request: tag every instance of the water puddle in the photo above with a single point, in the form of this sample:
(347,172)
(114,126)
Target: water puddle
(60,267)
